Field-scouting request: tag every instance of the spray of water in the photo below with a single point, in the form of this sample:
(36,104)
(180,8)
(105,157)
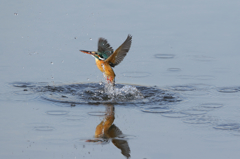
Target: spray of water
(124,93)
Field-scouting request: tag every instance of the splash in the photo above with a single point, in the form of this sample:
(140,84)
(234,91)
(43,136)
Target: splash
(125,93)
(101,93)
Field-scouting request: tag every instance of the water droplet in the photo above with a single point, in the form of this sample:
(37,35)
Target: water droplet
(52,77)
(52,63)
(90,38)
(62,61)
(75,37)
(15,13)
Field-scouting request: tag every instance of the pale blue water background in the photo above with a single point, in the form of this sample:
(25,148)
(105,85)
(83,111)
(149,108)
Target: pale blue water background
(40,40)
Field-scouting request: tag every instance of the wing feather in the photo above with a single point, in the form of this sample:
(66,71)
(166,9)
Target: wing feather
(104,48)
(120,53)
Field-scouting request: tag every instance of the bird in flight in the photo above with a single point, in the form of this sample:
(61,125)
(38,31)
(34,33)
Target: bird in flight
(106,58)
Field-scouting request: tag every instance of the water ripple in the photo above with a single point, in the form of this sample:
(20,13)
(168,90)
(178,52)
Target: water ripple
(175,115)
(57,112)
(183,88)
(156,109)
(174,69)
(136,74)
(44,128)
(164,56)
(228,126)
(228,89)
(198,119)
(97,113)
(211,105)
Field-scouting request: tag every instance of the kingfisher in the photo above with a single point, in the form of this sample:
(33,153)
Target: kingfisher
(106,58)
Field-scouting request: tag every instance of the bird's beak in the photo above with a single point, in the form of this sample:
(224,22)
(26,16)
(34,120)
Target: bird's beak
(87,52)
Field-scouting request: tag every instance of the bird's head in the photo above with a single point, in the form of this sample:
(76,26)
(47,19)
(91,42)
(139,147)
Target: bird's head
(94,54)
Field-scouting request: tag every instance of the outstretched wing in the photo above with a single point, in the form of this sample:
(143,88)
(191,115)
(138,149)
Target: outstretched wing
(120,53)
(115,133)
(104,48)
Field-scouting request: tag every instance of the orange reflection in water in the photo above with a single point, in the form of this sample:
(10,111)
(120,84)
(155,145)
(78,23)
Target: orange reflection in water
(106,131)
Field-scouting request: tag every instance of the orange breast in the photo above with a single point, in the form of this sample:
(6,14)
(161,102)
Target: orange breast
(99,64)
(106,69)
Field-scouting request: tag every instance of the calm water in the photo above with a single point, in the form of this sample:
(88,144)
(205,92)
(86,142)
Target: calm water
(178,89)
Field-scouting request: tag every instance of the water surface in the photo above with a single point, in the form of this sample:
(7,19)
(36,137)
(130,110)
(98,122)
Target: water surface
(177,91)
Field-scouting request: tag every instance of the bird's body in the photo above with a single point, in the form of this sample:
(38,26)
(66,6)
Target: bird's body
(106,59)
(105,68)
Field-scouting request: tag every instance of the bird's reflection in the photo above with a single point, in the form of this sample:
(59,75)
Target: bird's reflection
(106,131)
